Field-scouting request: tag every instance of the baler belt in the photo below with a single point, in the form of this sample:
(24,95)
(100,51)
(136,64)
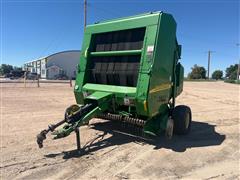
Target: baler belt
(131,39)
(115,70)
(110,79)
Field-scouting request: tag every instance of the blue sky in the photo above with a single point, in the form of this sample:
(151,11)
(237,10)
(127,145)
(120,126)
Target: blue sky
(32,29)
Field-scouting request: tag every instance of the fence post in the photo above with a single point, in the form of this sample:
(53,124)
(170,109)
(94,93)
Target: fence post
(24,78)
(70,82)
(38,83)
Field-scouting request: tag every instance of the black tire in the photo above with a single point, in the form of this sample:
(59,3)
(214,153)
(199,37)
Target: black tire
(182,118)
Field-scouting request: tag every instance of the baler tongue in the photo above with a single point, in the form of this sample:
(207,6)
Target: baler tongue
(76,116)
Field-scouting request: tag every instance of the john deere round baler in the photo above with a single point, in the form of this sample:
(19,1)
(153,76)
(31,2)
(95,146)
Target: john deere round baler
(129,71)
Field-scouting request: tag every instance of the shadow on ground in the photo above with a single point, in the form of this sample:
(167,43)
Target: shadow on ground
(201,135)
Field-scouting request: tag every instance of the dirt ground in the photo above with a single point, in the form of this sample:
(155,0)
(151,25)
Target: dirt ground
(210,151)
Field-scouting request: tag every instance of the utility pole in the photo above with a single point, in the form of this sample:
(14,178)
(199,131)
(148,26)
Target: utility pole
(238,65)
(209,60)
(85,13)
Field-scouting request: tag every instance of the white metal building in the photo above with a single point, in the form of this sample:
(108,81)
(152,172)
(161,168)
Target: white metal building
(61,63)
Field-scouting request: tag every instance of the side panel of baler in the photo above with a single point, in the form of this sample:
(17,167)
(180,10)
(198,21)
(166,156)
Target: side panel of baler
(163,62)
(145,71)
(81,69)
(179,79)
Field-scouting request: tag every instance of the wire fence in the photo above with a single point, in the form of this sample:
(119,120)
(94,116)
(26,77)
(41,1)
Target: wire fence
(38,83)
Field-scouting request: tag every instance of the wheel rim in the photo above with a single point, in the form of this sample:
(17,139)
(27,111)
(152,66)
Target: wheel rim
(187,121)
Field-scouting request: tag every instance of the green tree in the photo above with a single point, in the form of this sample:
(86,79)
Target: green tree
(218,74)
(5,68)
(231,72)
(198,72)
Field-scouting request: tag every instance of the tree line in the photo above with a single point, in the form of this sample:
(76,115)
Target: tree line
(199,72)
(7,68)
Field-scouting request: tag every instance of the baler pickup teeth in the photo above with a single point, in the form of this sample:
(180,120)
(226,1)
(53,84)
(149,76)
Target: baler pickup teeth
(129,120)
(127,124)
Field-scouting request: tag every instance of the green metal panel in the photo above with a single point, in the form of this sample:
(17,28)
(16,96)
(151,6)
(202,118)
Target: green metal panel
(179,79)
(120,90)
(145,72)
(124,23)
(81,69)
(116,53)
(162,70)
(102,99)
